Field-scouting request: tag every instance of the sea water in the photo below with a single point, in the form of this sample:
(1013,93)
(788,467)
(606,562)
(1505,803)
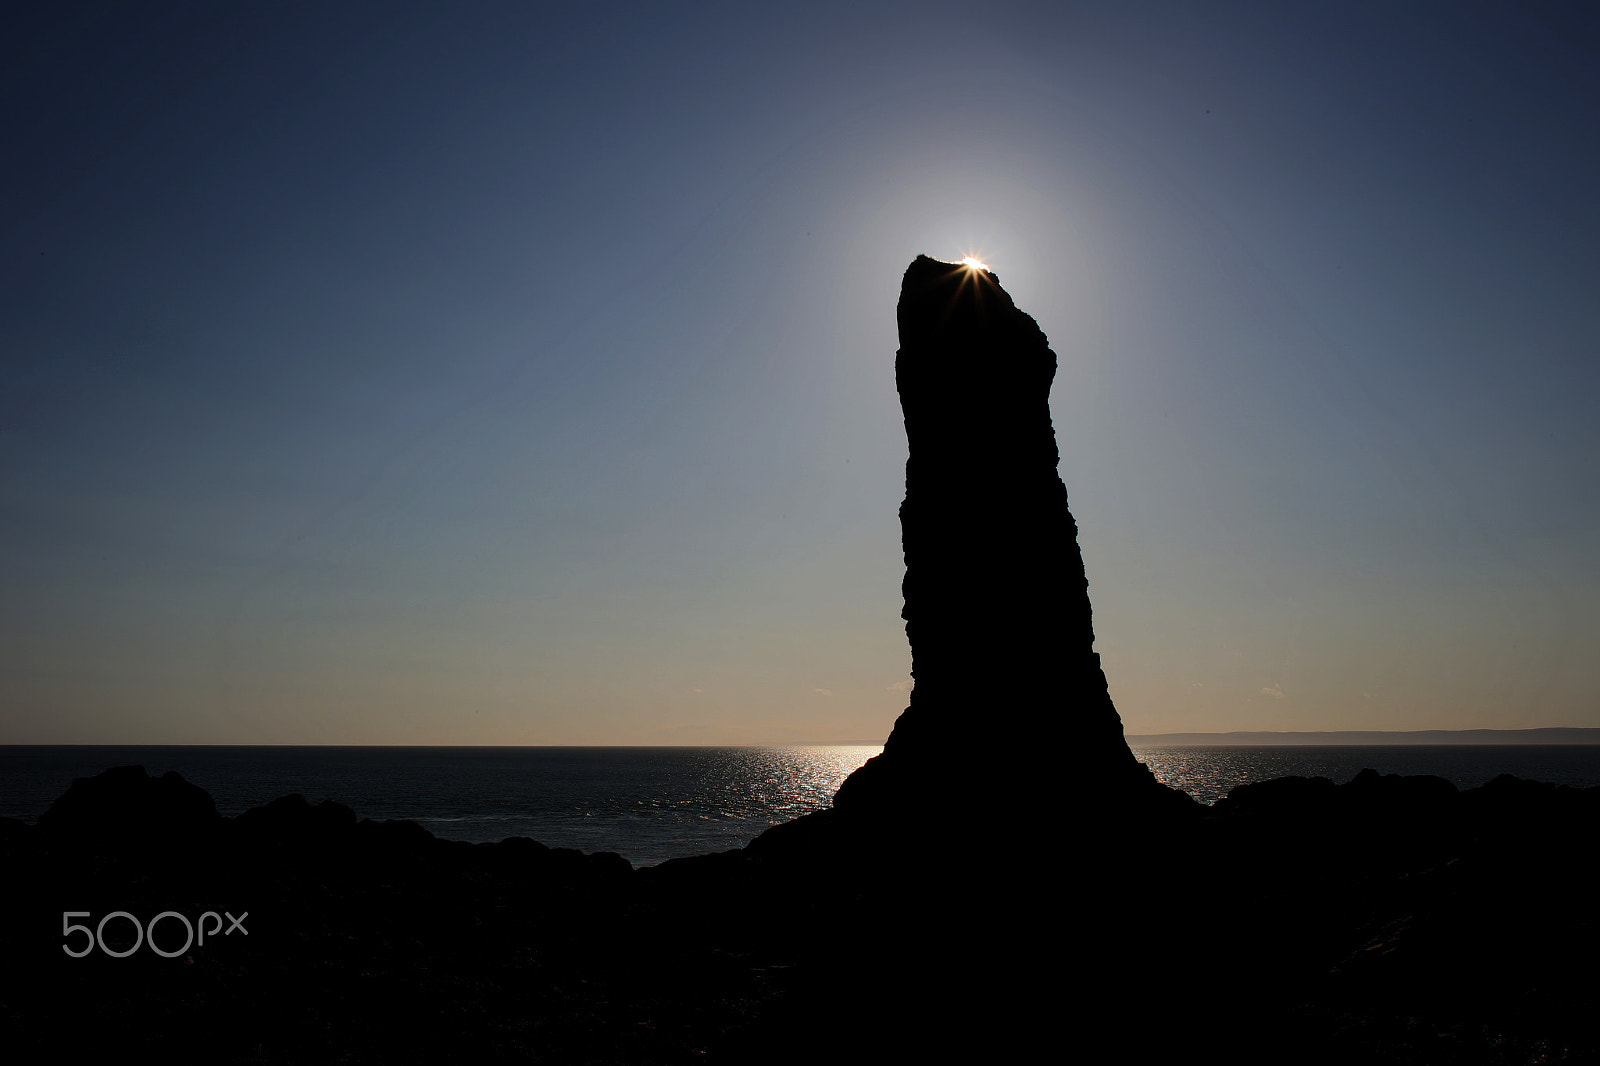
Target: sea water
(648,804)
(653,804)
(1209,773)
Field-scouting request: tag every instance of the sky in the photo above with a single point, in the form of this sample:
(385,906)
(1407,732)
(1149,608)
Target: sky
(522,373)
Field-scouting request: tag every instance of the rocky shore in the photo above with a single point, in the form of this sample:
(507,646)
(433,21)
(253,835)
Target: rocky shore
(1385,920)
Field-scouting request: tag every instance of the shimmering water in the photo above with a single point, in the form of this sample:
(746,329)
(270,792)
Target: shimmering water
(649,804)
(1208,774)
(652,804)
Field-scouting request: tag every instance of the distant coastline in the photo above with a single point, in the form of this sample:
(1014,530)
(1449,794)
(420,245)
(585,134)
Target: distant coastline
(1558,735)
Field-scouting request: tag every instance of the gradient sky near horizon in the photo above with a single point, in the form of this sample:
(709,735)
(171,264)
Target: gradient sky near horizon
(522,373)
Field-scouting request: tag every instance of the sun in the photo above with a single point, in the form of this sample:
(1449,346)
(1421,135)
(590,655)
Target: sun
(974,263)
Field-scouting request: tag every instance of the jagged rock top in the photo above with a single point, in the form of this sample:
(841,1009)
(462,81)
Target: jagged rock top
(944,305)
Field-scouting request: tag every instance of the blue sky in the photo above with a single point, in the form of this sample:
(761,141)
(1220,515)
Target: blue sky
(522,373)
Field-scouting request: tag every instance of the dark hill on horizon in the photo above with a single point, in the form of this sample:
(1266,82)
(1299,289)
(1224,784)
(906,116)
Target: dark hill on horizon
(1352,737)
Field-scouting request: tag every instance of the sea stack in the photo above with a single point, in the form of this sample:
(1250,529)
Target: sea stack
(1009,702)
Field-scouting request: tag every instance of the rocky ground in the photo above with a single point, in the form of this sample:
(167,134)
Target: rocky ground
(1384,920)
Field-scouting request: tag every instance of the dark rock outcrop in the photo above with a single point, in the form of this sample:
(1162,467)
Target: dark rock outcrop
(996,600)
(1386,919)
(126,807)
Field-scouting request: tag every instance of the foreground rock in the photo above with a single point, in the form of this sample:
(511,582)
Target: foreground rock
(1383,920)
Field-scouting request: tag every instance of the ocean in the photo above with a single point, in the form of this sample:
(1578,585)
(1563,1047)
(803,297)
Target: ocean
(653,804)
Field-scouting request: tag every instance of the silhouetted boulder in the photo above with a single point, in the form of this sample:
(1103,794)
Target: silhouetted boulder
(396,833)
(294,816)
(1509,792)
(1279,797)
(1396,793)
(126,807)
(609,865)
(515,854)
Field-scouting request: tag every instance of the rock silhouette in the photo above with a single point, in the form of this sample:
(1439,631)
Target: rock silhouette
(1387,919)
(124,807)
(996,599)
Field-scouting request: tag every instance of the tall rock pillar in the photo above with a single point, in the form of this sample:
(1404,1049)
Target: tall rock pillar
(1009,694)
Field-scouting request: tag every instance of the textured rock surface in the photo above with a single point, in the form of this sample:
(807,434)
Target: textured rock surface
(996,601)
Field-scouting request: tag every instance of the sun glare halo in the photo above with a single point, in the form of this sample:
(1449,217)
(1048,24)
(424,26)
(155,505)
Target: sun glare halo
(972,263)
